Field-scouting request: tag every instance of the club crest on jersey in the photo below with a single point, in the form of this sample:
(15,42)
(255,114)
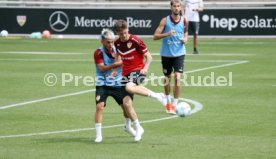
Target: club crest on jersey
(129,44)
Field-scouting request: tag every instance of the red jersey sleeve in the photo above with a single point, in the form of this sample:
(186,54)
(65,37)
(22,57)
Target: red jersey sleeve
(140,45)
(98,56)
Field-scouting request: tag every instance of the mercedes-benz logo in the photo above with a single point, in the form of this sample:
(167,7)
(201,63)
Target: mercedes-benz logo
(59,21)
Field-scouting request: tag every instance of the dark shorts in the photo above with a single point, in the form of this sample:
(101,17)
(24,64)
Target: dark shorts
(134,77)
(175,64)
(194,27)
(102,92)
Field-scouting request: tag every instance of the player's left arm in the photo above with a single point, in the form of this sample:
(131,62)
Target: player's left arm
(186,24)
(142,49)
(117,61)
(148,58)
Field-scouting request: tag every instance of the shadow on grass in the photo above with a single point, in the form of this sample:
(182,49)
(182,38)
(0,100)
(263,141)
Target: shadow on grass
(107,140)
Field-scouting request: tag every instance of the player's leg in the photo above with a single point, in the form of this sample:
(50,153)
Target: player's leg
(167,87)
(177,87)
(100,104)
(118,95)
(127,127)
(98,121)
(178,66)
(143,91)
(195,32)
(195,44)
(167,64)
(127,103)
(133,87)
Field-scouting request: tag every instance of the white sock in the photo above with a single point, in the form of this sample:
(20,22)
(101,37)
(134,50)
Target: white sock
(151,94)
(128,123)
(168,99)
(98,127)
(175,101)
(136,124)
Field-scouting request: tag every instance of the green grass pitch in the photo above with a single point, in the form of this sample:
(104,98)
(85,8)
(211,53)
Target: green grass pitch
(236,121)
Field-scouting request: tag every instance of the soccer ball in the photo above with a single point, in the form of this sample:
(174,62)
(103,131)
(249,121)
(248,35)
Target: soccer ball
(4,33)
(183,109)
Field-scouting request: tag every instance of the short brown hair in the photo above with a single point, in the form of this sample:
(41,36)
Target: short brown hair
(176,1)
(120,25)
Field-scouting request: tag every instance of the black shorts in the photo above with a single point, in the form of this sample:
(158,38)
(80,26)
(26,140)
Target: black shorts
(102,92)
(134,77)
(173,63)
(194,27)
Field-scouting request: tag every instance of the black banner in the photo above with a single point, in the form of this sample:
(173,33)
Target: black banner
(141,21)
(238,22)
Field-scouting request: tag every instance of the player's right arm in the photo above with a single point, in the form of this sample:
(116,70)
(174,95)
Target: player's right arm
(117,60)
(158,32)
(98,58)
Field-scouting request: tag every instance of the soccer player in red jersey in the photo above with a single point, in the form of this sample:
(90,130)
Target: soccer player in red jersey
(132,51)
(108,84)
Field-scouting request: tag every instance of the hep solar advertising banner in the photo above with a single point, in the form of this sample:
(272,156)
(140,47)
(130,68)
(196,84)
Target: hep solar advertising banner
(238,22)
(141,21)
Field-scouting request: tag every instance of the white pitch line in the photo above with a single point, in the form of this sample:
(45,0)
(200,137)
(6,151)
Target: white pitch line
(206,68)
(153,54)
(86,60)
(46,59)
(87,91)
(213,54)
(219,66)
(229,54)
(205,61)
(46,99)
(236,43)
(41,53)
(197,107)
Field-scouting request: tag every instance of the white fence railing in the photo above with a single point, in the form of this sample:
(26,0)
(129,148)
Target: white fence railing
(130,4)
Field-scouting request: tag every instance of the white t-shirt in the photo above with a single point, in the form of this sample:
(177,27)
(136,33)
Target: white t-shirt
(189,6)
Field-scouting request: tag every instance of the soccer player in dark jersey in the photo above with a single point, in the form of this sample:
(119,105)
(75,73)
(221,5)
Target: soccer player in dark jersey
(173,30)
(132,51)
(107,83)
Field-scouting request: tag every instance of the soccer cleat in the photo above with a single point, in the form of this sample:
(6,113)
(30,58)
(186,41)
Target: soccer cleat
(162,98)
(139,133)
(173,109)
(195,51)
(130,130)
(170,109)
(98,139)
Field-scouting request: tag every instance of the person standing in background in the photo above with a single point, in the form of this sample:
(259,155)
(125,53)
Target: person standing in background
(191,11)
